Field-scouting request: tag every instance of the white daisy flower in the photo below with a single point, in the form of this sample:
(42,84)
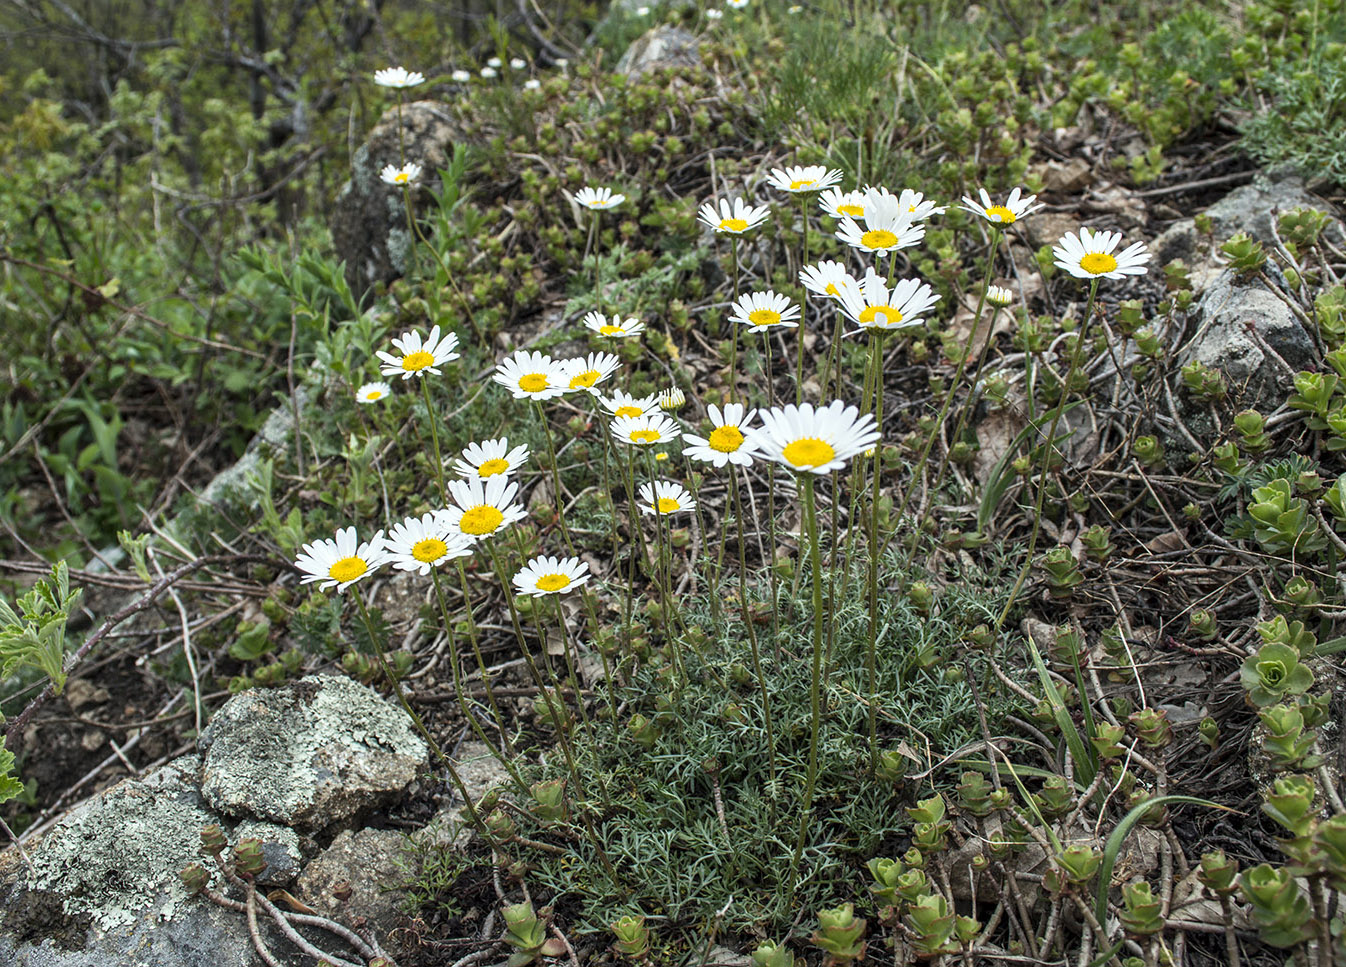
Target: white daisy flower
(341,562)
(405,175)
(460,76)
(828,278)
(517,63)
(874,306)
(482,508)
(762,311)
(998,295)
(814,440)
(737,4)
(551,575)
(735,220)
(616,327)
(490,458)
(419,357)
(398,77)
(624,404)
(494,62)
(585,374)
(532,375)
(665,497)
(917,205)
(532,84)
(797,178)
(562,63)
(793,9)
(644,431)
(599,199)
(672,399)
(372,392)
(887,226)
(420,543)
(714,13)
(1090,255)
(642,11)
(488,72)
(842,204)
(1015,207)
(729,442)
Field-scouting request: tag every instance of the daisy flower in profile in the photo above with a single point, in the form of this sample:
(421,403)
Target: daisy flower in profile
(729,442)
(372,392)
(622,404)
(420,543)
(490,458)
(761,311)
(828,278)
(1015,207)
(460,76)
(616,327)
(482,508)
(1090,255)
(404,175)
(874,306)
(736,219)
(398,77)
(998,295)
(797,178)
(810,439)
(532,375)
(917,205)
(488,72)
(341,562)
(842,204)
(644,431)
(714,13)
(737,4)
(672,399)
(598,199)
(532,84)
(586,373)
(551,575)
(419,357)
(887,226)
(665,497)
(517,63)
(494,62)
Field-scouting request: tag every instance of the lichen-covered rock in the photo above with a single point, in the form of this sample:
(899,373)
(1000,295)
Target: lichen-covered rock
(664,46)
(307,755)
(369,219)
(280,849)
(1236,324)
(356,879)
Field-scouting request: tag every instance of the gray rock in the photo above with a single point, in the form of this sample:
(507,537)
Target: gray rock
(663,46)
(1253,207)
(357,878)
(369,219)
(1236,324)
(280,849)
(307,755)
(277,433)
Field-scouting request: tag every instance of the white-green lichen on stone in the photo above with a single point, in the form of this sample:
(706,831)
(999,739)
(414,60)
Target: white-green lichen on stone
(117,856)
(308,754)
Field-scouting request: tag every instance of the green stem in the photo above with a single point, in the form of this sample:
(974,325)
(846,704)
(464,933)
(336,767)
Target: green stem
(733,328)
(747,620)
(434,441)
(1047,447)
(555,477)
(871,674)
(804,310)
(815,686)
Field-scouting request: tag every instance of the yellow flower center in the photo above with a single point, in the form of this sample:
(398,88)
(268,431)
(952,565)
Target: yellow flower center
(644,436)
(884,315)
(1001,214)
(612,331)
(429,550)
(489,468)
(832,289)
(585,379)
(347,569)
(533,382)
(482,519)
(666,505)
(911,208)
(797,185)
(764,317)
(1096,263)
(808,452)
(401,177)
(855,211)
(374,394)
(733,224)
(725,439)
(417,361)
(553,582)
(878,238)
(628,411)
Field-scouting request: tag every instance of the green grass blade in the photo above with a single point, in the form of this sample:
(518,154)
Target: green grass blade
(1080,751)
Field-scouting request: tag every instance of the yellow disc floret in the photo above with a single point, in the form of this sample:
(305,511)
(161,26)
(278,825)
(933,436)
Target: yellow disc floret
(429,550)
(1097,263)
(533,382)
(878,238)
(666,505)
(482,519)
(725,439)
(417,361)
(808,452)
(1001,214)
(489,468)
(553,582)
(764,317)
(347,569)
(733,224)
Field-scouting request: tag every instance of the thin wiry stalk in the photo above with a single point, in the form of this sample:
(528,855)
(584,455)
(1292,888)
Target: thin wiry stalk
(815,687)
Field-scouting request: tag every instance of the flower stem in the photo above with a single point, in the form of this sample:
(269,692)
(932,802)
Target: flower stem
(733,328)
(803,315)
(871,674)
(555,477)
(815,686)
(747,620)
(434,441)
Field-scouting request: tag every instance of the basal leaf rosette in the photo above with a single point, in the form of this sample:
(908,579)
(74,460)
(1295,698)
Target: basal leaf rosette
(1274,673)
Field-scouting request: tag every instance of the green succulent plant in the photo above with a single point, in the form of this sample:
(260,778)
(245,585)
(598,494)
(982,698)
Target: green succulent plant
(1274,673)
